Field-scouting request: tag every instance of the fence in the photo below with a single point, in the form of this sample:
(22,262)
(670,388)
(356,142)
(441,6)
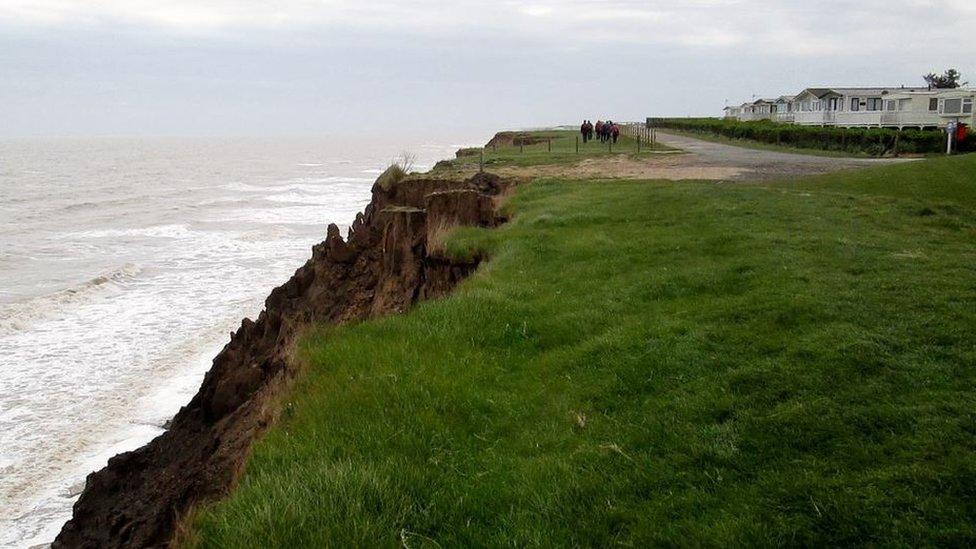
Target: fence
(642,138)
(640,133)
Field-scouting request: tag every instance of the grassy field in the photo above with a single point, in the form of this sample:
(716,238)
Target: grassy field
(652,363)
(553,147)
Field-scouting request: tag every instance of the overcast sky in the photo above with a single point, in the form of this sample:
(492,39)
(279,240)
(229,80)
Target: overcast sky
(87,67)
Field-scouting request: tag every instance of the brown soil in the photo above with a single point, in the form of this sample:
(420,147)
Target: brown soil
(514,139)
(382,267)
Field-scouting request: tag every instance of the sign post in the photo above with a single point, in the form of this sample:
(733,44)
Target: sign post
(950,133)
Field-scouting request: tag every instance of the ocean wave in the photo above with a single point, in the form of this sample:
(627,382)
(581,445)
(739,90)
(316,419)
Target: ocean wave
(107,202)
(269,233)
(155,231)
(16,317)
(300,184)
(298,197)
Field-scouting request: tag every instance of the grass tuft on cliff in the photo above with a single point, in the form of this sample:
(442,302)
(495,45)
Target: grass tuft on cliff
(652,363)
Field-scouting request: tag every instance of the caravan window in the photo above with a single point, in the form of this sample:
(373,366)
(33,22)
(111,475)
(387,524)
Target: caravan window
(934,104)
(892,104)
(967,105)
(874,103)
(952,106)
(855,104)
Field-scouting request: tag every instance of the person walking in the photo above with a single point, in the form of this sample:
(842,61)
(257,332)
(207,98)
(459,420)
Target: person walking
(599,130)
(615,132)
(583,130)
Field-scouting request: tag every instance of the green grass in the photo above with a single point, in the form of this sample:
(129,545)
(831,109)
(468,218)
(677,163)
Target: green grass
(651,363)
(558,147)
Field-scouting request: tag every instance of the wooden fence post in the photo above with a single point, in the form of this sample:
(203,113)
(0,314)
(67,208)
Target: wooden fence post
(549,143)
(577,144)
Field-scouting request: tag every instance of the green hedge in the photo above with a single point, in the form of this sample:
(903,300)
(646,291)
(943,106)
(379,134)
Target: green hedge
(872,141)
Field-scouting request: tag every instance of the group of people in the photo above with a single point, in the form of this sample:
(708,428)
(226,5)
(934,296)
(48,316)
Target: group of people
(605,131)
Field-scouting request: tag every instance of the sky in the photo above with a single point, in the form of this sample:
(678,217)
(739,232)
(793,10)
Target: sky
(300,67)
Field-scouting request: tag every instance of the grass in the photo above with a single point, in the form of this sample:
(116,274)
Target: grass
(652,363)
(552,147)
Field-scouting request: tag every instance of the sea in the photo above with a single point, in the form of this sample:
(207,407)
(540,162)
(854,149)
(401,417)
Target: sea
(125,263)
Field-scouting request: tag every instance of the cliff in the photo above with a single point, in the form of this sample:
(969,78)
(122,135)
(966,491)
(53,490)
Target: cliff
(382,267)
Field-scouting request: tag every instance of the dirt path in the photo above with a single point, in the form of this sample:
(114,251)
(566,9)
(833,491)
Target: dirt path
(699,160)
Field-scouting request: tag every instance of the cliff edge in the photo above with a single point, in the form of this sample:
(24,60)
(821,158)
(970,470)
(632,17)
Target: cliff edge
(384,265)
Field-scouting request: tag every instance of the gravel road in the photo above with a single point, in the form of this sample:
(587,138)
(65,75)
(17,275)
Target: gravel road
(762,164)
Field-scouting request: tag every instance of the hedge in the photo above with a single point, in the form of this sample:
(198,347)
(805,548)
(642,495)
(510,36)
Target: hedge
(872,141)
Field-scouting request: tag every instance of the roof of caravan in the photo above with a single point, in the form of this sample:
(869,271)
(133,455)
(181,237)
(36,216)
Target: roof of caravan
(820,92)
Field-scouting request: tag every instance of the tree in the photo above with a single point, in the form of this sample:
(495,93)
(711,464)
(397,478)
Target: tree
(948,79)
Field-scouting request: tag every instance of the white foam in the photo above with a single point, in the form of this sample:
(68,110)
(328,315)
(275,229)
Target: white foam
(20,316)
(300,184)
(300,198)
(158,231)
(93,367)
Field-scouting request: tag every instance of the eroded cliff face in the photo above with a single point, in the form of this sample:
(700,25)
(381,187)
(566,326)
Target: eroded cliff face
(382,267)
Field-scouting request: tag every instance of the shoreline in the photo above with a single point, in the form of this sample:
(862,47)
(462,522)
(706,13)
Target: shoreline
(649,365)
(154,408)
(235,402)
(168,370)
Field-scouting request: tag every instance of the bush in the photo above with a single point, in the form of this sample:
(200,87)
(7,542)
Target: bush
(399,169)
(872,141)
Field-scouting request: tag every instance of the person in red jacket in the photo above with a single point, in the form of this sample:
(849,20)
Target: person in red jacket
(587,130)
(615,132)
